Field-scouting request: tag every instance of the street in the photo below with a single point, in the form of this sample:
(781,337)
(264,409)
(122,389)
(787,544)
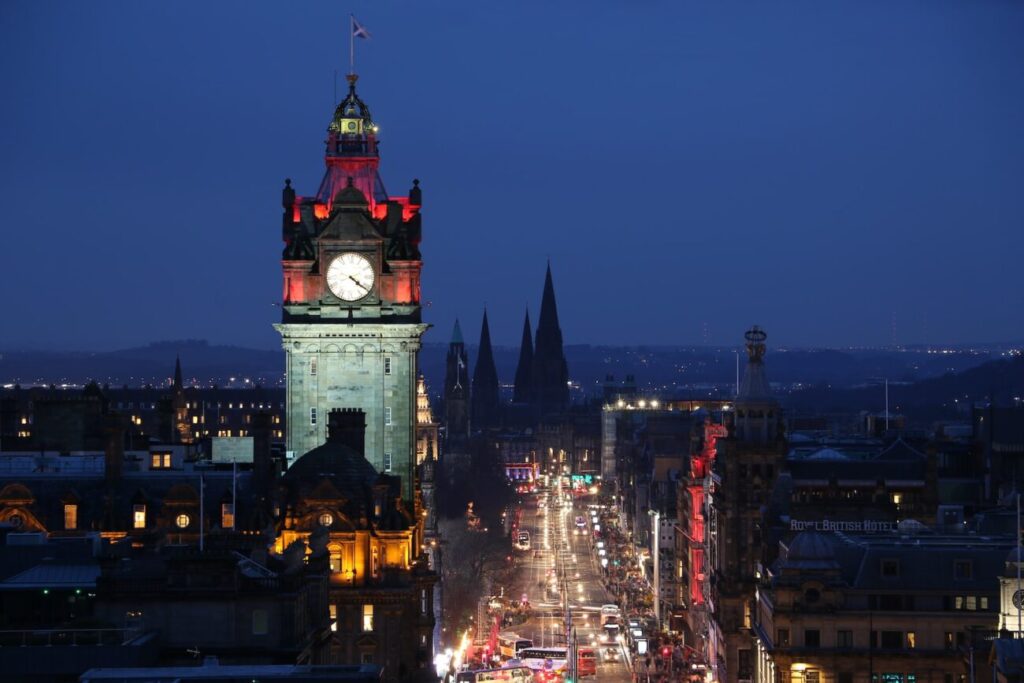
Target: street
(563,559)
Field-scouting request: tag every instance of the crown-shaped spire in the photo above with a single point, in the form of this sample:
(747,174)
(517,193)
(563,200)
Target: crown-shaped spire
(352,116)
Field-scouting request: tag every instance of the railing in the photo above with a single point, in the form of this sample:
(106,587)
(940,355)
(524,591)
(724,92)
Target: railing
(66,637)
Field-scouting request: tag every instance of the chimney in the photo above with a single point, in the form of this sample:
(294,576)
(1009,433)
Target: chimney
(347,426)
(114,447)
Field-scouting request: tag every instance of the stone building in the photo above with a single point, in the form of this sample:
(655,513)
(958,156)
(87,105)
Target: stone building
(837,608)
(381,587)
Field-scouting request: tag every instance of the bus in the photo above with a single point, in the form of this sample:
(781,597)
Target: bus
(586,662)
(549,661)
(509,645)
(506,674)
(523,540)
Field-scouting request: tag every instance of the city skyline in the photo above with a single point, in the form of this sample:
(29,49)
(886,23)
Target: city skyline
(688,170)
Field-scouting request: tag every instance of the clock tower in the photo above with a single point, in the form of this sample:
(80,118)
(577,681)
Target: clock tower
(350,322)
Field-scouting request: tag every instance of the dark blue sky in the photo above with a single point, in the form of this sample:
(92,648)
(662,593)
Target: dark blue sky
(844,172)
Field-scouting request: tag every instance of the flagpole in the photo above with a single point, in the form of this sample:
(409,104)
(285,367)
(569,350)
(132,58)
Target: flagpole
(351,44)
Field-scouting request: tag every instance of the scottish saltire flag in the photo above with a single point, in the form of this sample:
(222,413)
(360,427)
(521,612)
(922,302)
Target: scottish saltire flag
(359,31)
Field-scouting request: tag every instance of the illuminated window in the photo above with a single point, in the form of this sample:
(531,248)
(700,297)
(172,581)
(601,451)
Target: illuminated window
(387,416)
(897,498)
(70,516)
(911,640)
(387,462)
(367,617)
(326,519)
(227,515)
(139,516)
(334,617)
(312,416)
(155,461)
(167,461)
(182,521)
(195,419)
(334,553)
(387,365)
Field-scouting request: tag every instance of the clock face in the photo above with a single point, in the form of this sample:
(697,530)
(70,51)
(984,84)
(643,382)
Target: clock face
(1018,599)
(350,276)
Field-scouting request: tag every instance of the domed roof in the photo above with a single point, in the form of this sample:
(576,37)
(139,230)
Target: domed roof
(811,550)
(347,469)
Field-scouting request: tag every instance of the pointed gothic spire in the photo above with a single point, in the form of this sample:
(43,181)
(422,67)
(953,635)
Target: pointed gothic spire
(550,371)
(177,372)
(524,370)
(484,396)
(456,391)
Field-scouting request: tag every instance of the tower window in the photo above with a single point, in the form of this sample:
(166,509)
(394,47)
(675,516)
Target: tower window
(312,366)
(387,462)
(387,365)
(312,416)
(387,416)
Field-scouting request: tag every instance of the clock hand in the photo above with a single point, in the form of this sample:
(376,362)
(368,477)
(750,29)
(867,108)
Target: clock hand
(360,284)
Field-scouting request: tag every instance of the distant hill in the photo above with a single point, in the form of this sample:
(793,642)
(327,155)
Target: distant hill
(153,364)
(690,371)
(931,398)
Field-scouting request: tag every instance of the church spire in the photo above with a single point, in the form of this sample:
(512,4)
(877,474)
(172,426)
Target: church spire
(550,371)
(456,391)
(484,398)
(177,372)
(524,370)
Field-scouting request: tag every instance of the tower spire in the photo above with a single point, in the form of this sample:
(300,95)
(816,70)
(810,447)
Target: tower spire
(177,372)
(524,370)
(550,372)
(484,402)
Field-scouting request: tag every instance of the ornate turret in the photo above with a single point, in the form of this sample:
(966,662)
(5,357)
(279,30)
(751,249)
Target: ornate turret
(757,411)
(352,116)
(352,151)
